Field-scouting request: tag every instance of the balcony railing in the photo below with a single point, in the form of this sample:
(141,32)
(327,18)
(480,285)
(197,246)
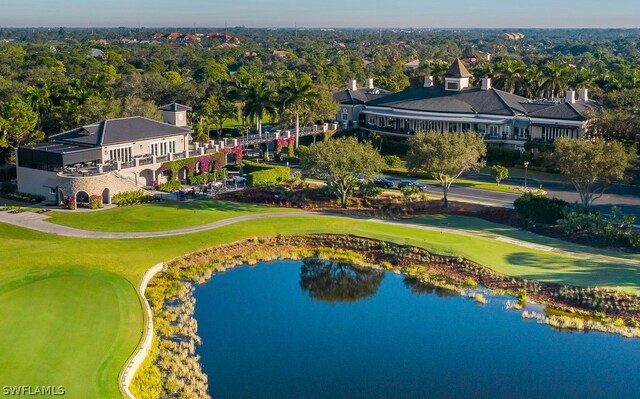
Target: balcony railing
(389,129)
(146,161)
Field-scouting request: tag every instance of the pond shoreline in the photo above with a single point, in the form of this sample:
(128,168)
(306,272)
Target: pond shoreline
(170,295)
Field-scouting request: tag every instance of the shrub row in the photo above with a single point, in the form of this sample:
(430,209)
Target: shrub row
(170,186)
(540,209)
(23,197)
(133,197)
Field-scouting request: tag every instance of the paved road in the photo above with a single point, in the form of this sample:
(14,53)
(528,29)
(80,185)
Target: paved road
(624,196)
(627,198)
(38,222)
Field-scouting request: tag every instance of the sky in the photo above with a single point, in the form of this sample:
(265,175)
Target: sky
(323,13)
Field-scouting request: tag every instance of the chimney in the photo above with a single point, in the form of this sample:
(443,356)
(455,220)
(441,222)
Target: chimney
(353,85)
(571,96)
(428,81)
(368,83)
(583,94)
(486,83)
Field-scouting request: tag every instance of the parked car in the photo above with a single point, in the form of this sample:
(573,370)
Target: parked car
(415,183)
(361,178)
(383,182)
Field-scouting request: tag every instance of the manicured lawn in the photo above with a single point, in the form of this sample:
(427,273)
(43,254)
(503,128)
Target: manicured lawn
(157,217)
(71,315)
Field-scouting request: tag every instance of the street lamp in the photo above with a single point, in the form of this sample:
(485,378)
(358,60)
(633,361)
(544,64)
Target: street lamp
(526,168)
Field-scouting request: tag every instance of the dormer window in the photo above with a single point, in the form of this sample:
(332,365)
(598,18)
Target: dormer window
(452,86)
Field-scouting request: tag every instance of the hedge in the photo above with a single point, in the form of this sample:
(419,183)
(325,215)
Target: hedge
(250,166)
(133,197)
(502,156)
(23,197)
(540,209)
(271,176)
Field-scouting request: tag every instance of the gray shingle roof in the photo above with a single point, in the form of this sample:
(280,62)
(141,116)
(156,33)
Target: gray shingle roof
(457,70)
(359,96)
(577,111)
(122,130)
(175,107)
(467,101)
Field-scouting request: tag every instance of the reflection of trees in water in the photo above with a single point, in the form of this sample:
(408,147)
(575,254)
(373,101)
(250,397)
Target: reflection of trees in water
(330,281)
(419,287)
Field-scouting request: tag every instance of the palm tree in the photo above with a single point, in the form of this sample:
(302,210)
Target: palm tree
(238,91)
(437,69)
(482,70)
(39,99)
(533,81)
(510,74)
(260,100)
(297,96)
(586,77)
(557,75)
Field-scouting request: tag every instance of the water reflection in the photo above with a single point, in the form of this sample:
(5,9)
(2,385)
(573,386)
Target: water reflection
(331,282)
(418,287)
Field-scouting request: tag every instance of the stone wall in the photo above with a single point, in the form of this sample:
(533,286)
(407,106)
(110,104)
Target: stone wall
(71,185)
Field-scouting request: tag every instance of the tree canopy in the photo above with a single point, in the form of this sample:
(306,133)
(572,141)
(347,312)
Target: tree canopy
(341,161)
(446,156)
(591,165)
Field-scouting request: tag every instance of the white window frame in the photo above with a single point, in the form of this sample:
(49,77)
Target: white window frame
(122,154)
(161,148)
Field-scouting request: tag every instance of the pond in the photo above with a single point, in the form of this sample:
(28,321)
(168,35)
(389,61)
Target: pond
(317,329)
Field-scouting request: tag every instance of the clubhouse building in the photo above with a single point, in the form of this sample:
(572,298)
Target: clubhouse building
(104,158)
(505,119)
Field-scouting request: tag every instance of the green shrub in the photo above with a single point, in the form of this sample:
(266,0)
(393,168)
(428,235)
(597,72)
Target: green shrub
(411,192)
(499,173)
(540,209)
(132,197)
(269,177)
(95,201)
(522,296)
(392,161)
(8,187)
(170,186)
(368,189)
(502,156)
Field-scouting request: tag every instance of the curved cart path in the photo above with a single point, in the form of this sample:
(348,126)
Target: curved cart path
(38,222)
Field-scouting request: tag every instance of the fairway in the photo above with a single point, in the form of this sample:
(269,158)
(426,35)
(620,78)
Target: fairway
(71,315)
(158,216)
